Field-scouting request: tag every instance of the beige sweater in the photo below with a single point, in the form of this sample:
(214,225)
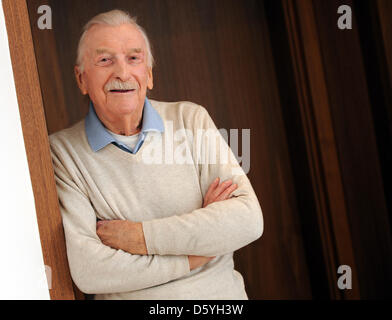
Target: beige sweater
(162,186)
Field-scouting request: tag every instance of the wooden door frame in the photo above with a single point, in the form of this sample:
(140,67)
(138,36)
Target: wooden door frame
(36,141)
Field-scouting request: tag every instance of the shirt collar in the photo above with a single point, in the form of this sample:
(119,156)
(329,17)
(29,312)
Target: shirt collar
(99,137)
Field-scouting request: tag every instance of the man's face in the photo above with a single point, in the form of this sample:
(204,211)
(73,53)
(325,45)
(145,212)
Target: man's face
(115,75)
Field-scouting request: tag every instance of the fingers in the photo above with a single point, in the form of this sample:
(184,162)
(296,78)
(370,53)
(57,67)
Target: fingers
(211,188)
(226,193)
(209,197)
(221,188)
(219,192)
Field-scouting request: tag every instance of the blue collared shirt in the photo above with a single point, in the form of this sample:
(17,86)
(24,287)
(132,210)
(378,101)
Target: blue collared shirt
(99,137)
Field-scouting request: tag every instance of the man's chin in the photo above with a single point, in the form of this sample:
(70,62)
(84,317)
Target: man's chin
(124,108)
(123,101)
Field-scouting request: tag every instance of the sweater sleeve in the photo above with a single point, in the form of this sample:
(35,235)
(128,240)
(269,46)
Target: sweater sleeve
(221,227)
(95,267)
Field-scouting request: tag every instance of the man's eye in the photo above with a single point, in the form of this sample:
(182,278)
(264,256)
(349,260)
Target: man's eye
(134,58)
(104,61)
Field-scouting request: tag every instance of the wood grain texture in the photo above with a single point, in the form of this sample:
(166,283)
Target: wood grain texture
(321,142)
(380,37)
(384,10)
(46,50)
(37,146)
(355,98)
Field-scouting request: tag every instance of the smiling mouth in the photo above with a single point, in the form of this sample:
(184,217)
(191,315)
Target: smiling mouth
(122,91)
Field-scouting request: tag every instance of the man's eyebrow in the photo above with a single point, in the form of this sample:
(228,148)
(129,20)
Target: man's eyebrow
(103,50)
(135,50)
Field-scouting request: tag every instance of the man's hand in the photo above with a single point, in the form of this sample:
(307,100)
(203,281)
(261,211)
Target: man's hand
(218,192)
(122,234)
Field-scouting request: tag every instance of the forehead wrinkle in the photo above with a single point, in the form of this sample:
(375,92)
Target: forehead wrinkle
(135,36)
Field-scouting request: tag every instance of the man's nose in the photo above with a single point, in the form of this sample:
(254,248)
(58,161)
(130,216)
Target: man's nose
(122,71)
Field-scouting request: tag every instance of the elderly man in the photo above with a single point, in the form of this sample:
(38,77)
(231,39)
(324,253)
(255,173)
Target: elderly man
(166,229)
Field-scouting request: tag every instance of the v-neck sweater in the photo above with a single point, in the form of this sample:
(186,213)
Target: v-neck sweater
(162,186)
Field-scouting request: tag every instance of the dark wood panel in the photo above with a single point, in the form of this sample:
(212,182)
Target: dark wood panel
(320,142)
(37,146)
(344,95)
(295,133)
(378,64)
(351,111)
(49,72)
(384,14)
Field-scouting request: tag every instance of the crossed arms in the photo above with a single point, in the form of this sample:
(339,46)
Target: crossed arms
(129,236)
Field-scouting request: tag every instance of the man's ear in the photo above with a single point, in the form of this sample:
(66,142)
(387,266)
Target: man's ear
(150,81)
(80,81)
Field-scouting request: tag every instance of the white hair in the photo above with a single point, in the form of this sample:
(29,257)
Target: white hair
(112,18)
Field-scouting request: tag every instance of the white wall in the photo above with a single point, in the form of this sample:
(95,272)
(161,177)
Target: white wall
(22,271)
